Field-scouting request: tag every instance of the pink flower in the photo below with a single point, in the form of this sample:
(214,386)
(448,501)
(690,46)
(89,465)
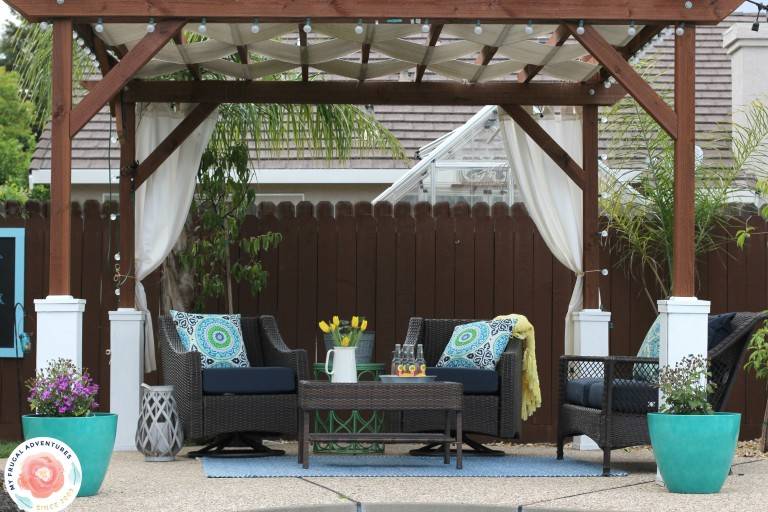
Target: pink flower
(41,475)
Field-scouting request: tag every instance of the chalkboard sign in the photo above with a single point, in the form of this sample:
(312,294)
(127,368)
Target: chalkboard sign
(11,290)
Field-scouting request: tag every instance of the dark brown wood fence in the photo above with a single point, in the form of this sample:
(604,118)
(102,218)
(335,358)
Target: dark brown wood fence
(390,263)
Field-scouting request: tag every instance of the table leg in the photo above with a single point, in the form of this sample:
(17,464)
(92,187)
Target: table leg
(447,444)
(305,441)
(459,436)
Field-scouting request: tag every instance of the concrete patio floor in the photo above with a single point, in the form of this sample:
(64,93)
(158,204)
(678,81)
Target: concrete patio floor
(134,485)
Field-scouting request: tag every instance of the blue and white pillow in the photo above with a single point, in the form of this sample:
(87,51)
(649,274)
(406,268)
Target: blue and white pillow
(477,345)
(649,348)
(218,338)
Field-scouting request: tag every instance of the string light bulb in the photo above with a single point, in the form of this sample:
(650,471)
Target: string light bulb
(151,25)
(478,28)
(99,27)
(680,30)
(307,28)
(688,4)
(359,29)
(113,217)
(60,2)
(580,28)
(529,27)
(255,27)
(607,84)
(203,27)
(117,256)
(425,26)
(117,291)
(44,25)
(632,30)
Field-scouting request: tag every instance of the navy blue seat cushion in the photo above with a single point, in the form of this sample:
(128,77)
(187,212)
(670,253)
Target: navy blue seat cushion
(718,328)
(264,380)
(629,395)
(476,381)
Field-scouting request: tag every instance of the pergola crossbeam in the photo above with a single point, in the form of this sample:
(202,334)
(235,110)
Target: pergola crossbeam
(556,40)
(625,74)
(172,142)
(111,84)
(545,141)
(434,35)
(376,92)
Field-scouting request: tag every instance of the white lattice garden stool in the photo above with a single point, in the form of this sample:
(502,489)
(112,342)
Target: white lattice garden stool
(159,434)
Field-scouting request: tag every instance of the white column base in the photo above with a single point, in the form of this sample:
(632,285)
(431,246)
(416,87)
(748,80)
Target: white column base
(590,338)
(59,329)
(126,372)
(683,328)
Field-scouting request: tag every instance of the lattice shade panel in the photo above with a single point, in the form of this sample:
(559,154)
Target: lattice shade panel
(335,49)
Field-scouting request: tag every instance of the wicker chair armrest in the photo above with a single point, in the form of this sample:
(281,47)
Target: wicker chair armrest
(606,359)
(510,369)
(277,353)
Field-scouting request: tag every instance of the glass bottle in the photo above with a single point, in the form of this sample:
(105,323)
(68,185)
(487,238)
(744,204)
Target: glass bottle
(397,361)
(411,362)
(421,363)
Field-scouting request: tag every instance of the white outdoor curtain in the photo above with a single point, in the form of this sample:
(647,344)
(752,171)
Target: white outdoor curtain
(553,201)
(162,202)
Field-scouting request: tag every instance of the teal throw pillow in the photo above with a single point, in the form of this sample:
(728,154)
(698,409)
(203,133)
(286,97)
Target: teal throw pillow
(218,338)
(649,348)
(477,345)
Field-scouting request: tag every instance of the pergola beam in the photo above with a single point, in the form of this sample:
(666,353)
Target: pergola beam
(589,208)
(434,35)
(556,40)
(111,84)
(172,142)
(549,145)
(625,74)
(519,11)
(372,93)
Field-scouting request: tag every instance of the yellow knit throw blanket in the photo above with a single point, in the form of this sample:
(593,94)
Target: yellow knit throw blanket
(531,391)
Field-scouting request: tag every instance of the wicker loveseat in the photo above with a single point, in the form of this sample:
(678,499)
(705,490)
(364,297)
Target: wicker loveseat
(607,398)
(227,409)
(492,400)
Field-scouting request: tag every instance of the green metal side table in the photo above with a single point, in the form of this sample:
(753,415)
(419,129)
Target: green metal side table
(354,422)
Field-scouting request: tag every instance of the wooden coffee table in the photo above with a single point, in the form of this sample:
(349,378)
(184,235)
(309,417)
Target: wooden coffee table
(377,396)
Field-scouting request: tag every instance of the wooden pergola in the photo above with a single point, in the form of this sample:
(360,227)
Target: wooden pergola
(574,22)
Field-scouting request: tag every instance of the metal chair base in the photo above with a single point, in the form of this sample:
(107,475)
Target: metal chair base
(222,447)
(476,448)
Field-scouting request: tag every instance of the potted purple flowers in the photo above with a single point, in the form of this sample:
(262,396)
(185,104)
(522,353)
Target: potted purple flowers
(63,400)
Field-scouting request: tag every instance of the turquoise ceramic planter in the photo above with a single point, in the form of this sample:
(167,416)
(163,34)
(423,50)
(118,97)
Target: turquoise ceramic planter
(694,452)
(91,437)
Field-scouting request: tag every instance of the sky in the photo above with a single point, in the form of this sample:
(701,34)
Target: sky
(5,11)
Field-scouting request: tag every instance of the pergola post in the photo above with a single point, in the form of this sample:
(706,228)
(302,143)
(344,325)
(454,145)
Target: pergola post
(126,332)
(683,316)
(590,325)
(59,315)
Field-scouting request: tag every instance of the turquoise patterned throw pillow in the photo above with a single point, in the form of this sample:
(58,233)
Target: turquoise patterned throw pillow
(477,345)
(649,348)
(218,338)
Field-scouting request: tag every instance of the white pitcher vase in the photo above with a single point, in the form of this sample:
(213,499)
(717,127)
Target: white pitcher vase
(344,364)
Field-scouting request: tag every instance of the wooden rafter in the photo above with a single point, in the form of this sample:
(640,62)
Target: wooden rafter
(546,143)
(180,41)
(121,74)
(642,38)
(624,73)
(374,92)
(172,142)
(498,11)
(556,40)
(303,50)
(434,35)
(365,54)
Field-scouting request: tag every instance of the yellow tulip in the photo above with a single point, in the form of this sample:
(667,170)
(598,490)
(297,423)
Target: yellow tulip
(364,325)
(345,341)
(336,320)
(355,322)
(324,327)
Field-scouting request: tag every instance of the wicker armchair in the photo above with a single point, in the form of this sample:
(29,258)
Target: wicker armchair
(628,390)
(233,419)
(496,415)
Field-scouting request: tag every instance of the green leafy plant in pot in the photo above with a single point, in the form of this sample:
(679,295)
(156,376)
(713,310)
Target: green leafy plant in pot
(693,445)
(63,399)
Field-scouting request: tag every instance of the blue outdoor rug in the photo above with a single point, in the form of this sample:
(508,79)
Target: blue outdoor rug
(399,466)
